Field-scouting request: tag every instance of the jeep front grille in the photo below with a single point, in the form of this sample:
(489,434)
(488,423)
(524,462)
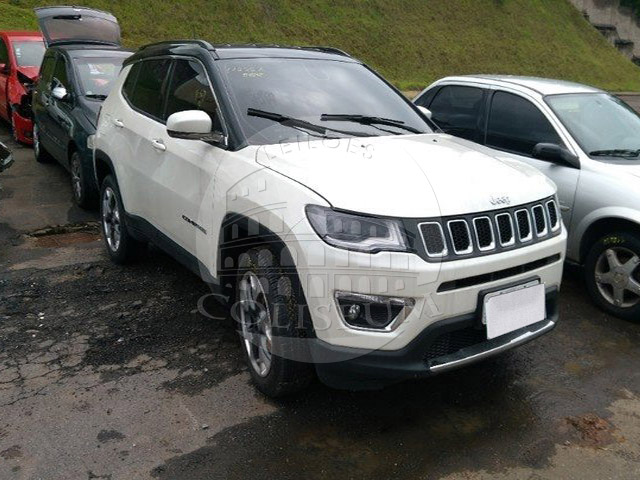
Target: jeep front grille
(486,233)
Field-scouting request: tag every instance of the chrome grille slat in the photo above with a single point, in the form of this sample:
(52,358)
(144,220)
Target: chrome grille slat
(554,217)
(484,233)
(523,220)
(539,220)
(433,239)
(506,232)
(460,237)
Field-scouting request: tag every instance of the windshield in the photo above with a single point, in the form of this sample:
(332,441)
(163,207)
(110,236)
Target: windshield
(96,75)
(603,125)
(29,54)
(286,99)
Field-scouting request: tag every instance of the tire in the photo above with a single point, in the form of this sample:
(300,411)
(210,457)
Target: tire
(121,246)
(271,323)
(612,274)
(42,156)
(85,193)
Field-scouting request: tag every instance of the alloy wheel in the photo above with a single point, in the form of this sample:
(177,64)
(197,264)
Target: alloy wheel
(255,321)
(111,219)
(617,278)
(76,177)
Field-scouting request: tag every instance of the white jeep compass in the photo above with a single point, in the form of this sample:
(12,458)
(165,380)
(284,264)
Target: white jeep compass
(349,238)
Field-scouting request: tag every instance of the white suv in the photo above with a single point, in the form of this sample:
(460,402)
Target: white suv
(353,241)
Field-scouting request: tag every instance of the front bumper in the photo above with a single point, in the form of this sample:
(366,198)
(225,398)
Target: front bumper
(443,346)
(24,128)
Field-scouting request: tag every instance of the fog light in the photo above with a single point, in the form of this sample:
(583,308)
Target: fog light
(373,312)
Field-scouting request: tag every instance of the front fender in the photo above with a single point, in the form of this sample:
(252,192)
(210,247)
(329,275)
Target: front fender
(578,233)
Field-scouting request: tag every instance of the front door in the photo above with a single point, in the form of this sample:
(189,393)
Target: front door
(514,127)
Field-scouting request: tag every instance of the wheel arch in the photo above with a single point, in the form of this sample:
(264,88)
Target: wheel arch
(103,166)
(239,232)
(603,226)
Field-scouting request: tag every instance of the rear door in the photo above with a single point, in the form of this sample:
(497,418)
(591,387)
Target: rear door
(140,126)
(60,25)
(59,117)
(42,97)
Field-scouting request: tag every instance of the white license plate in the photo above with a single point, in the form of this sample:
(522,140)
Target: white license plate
(514,308)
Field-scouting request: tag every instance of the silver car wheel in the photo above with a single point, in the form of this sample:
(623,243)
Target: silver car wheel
(256,323)
(111,219)
(616,277)
(76,178)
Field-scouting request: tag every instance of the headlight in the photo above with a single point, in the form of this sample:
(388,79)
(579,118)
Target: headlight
(355,232)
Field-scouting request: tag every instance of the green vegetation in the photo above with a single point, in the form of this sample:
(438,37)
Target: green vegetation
(412,42)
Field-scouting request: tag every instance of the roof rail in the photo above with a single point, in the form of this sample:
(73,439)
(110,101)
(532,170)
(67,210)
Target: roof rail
(201,43)
(334,50)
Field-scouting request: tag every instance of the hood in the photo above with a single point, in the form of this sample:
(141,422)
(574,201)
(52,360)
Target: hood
(407,176)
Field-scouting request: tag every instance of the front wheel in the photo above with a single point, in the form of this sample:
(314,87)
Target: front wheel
(121,246)
(612,274)
(273,331)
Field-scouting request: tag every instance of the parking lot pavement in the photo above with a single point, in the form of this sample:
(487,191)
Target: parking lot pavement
(110,372)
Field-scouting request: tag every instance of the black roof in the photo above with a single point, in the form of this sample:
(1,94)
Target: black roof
(225,51)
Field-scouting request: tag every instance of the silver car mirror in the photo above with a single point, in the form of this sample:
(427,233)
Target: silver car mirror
(556,154)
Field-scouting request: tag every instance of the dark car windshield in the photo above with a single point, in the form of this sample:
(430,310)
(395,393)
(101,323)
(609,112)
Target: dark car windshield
(96,75)
(29,54)
(603,125)
(284,99)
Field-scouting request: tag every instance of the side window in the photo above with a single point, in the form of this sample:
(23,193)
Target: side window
(190,90)
(4,53)
(130,82)
(150,87)
(46,71)
(60,77)
(456,110)
(517,125)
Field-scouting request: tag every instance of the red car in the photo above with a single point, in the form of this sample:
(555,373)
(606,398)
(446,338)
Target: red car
(20,58)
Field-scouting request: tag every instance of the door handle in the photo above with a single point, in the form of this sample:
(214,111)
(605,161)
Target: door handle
(118,123)
(158,144)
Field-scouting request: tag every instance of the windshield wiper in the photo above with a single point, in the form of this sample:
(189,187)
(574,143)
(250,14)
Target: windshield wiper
(615,153)
(297,123)
(97,96)
(367,120)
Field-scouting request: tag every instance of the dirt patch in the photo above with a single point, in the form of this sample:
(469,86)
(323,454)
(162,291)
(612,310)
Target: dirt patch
(66,239)
(87,227)
(11,453)
(110,435)
(592,430)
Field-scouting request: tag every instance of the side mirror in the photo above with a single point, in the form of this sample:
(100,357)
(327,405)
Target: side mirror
(193,125)
(59,93)
(4,69)
(426,112)
(555,153)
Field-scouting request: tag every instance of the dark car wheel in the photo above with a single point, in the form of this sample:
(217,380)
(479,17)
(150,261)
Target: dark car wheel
(612,274)
(42,156)
(85,193)
(268,302)
(122,247)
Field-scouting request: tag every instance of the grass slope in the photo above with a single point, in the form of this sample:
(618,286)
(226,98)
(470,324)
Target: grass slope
(412,42)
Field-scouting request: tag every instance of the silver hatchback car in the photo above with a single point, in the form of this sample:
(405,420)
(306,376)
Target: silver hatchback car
(586,140)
